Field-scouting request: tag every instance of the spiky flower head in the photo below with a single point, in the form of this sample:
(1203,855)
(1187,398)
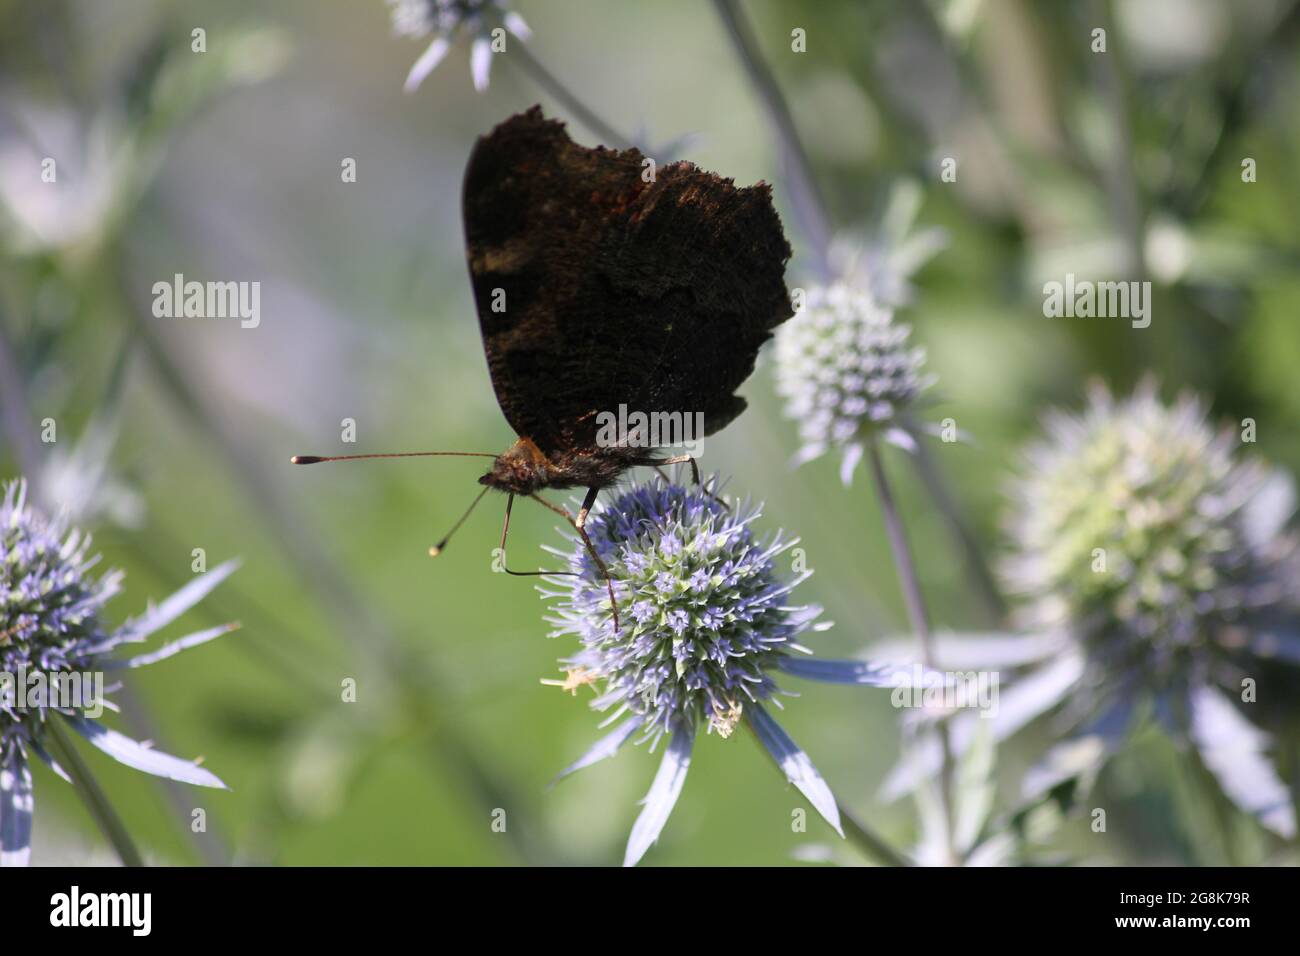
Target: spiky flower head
(52,631)
(49,601)
(446,19)
(1137,529)
(705,615)
(847,373)
(705,621)
(1156,576)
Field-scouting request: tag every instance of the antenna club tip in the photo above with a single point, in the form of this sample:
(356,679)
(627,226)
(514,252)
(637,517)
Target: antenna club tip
(304,459)
(435,551)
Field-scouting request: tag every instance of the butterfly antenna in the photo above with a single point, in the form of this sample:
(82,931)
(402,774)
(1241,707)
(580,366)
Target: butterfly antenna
(316,459)
(437,548)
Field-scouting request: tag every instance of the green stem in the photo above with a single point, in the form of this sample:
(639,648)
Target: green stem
(806,198)
(980,575)
(1119,178)
(1291,751)
(15,412)
(1204,799)
(902,553)
(868,841)
(920,619)
(94,798)
(207,841)
(572,102)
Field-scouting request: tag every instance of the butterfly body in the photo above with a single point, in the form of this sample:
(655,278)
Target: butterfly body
(524,469)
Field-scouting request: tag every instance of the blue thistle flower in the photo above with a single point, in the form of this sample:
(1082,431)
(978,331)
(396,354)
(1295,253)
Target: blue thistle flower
(1155,573)
(848,374)
(706,623)
(446,19)
(51,626)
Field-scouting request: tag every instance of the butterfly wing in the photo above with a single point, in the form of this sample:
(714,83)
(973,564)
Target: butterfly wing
(597,288)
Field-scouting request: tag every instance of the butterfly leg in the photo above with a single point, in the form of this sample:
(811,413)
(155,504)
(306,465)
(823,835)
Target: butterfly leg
(505,527)
(695,474)
(578,524)
(680,460)
(560,510)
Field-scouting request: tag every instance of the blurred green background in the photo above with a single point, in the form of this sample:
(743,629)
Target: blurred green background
(226,166)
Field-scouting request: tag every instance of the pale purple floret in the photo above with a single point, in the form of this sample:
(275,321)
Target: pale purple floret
(643,611)
(677,620)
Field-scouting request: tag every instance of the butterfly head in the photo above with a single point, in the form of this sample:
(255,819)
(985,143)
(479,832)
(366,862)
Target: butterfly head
(521,469)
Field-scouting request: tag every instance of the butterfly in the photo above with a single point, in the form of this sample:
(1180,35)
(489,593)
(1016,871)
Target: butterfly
(603,283)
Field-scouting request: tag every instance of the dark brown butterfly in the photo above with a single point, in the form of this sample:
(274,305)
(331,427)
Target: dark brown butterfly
(602,283)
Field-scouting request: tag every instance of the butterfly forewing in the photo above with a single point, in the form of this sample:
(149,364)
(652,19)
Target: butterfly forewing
(601,282)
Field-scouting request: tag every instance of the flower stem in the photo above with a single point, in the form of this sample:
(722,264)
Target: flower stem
(16,416)
(572,102)
(978,571)
(207,841)
(902,552)
(94,798)
(805,197)
(920,619)
(1120,179)
(868,841)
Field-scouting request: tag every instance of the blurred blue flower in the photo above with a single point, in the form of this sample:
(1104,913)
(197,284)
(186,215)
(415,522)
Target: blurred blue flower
(848,374)
(1155,576)
(709,622)
(50,625)
(447,18)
